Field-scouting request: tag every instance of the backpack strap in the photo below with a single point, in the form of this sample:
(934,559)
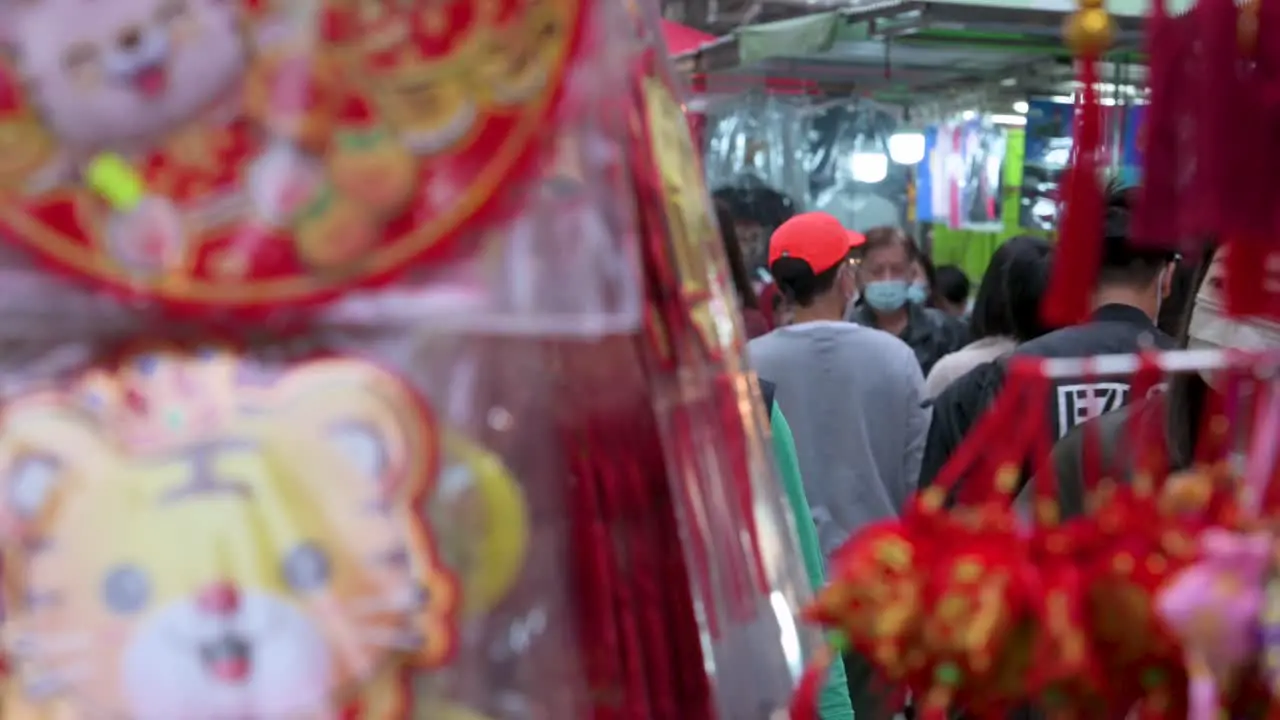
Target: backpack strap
(766,391)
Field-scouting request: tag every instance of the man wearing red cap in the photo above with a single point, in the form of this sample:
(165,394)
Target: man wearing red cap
(851,394)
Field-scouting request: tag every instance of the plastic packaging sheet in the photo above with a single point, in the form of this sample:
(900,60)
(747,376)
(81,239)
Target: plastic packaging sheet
(755,138)
(425,403)
(845,132)
(804,147)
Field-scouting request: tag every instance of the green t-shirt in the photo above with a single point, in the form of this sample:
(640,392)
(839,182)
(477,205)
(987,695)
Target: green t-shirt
(834,703)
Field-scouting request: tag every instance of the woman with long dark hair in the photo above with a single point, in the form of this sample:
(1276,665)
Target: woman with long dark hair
(753,321)
(1005,311)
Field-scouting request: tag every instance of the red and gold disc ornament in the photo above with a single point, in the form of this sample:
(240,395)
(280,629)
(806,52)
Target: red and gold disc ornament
(249,154)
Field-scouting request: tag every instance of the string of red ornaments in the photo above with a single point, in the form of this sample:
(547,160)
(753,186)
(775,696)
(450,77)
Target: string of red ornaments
(1097,616)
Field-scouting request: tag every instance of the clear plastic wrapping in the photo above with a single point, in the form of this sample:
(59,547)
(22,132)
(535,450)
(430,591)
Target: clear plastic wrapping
(761,138)
(809,149)
(510,469)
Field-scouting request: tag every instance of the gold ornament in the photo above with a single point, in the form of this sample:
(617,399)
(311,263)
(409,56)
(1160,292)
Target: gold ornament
(1089,31)
(25,147)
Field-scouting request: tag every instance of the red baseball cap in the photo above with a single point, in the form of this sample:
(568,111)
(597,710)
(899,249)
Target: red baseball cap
(814,237)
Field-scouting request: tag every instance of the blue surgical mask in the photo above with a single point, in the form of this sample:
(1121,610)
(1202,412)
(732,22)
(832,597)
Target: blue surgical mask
(886,295)
(916,293)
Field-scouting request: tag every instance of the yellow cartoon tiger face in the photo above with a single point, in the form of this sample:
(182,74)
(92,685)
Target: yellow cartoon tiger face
(207,539)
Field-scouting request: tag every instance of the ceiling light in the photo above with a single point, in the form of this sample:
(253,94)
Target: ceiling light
(906,148)
(1008,119)
(1021,107)
(968,115)
(869,167)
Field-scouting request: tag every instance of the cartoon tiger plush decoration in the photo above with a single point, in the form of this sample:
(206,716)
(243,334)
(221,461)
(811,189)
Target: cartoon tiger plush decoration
(208,538)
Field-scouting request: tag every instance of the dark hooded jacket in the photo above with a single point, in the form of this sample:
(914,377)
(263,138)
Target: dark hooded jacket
(1111,329)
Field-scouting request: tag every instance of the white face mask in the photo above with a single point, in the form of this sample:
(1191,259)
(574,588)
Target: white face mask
(1211,329)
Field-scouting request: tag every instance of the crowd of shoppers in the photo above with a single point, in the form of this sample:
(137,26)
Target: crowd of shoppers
(881,365)
(1131,287)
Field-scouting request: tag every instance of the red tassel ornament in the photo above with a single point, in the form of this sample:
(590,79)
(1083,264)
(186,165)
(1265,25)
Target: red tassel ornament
(1065,671)
(1140,535)
(941,599)
(977,613)
(1157,219)
(1088,34)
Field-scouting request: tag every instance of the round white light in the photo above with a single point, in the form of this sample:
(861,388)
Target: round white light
(968,115)
(1021,107)
(906,148)
(869,167)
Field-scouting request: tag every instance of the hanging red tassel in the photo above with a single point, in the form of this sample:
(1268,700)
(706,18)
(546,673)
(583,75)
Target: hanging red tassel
(1217,86)
(1154,221)
(1088,33)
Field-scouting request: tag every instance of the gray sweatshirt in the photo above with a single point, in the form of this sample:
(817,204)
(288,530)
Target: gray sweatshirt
(853,397)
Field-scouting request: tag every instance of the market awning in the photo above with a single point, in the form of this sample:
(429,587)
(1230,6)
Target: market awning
(682,39)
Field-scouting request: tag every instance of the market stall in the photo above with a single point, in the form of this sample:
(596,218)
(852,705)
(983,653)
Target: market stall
(832,108)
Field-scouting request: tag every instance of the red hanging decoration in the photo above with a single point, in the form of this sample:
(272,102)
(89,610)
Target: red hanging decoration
(974,613)
(941,600)
(1154,219)
(1088,33)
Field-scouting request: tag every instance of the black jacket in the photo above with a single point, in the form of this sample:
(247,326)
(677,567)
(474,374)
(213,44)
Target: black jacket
(1111,430)
(1111,329)
(930,333)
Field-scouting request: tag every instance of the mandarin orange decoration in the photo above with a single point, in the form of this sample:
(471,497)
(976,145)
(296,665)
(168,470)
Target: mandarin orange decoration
(370,167)
(336,233)
(24,145)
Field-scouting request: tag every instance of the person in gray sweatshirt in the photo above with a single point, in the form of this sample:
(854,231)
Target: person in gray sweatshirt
(853,395)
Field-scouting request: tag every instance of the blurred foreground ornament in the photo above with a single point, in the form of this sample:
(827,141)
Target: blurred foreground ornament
(1150,605)
(276,170)
(300,618)
(1088,34)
